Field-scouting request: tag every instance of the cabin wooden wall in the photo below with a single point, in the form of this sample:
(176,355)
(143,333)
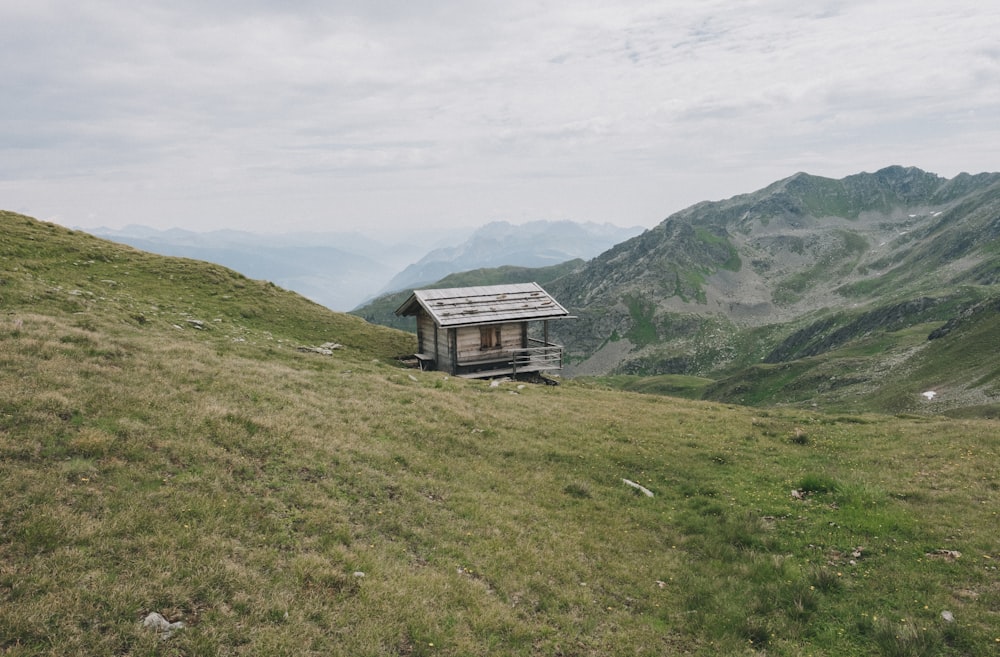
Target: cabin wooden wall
(458,347)
(468,342)
(433,341)
(425,334)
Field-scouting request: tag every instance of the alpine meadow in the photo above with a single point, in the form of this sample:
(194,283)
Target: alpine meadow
(267,476)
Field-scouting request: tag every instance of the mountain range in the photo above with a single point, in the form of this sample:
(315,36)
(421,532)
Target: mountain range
(497,244)
(344,270)
(811,290)
(828,275)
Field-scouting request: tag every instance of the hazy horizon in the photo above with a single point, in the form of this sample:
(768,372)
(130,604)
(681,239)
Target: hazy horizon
(387,116)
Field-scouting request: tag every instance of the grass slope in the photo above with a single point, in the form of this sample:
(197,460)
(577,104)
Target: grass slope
(280,502)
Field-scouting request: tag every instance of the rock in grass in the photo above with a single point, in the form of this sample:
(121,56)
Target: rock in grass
(642,489)
(158,623)
(947,555)
(325,349)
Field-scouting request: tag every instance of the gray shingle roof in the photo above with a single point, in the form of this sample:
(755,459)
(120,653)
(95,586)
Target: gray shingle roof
(489,304)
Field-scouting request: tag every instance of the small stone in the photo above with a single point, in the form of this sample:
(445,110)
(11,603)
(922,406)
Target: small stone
(642,489)
(158,623)
(358,574)
(316,350)
(155,621)
(948,555)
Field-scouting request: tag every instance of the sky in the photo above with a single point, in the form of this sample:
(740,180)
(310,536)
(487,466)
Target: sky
(392,116)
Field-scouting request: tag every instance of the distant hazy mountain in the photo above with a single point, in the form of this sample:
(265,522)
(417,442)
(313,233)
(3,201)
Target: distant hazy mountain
(337,270)
(343,270)
(534,244)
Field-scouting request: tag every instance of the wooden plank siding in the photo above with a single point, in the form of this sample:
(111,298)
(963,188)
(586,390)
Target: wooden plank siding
(471,352)
(461,347)
(434,343)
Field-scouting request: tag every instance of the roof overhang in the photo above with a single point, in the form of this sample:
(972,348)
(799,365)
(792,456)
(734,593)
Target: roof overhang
(489,304)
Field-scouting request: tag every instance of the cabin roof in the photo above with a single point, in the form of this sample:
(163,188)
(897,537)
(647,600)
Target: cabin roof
(488,304)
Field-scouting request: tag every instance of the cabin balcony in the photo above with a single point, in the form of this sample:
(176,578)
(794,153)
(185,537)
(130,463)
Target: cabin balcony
(539,356)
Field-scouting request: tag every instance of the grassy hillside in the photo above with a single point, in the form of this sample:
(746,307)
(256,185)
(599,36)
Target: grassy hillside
(888,371)
(46,268)
(280,502)
(864,363)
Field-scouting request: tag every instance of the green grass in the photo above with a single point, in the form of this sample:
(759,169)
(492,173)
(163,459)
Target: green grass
(643,330)
(224,479)
(733,262)
(675,385)
(848,378)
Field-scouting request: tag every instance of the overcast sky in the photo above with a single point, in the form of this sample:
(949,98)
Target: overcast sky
(269,115)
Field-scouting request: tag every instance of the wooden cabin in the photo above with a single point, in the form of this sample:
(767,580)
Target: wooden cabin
(487,331)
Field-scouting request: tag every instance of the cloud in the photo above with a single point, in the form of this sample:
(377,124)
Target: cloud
(385,113)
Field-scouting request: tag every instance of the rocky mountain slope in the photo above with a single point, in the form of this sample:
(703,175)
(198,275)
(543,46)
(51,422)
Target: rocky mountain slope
(802,268)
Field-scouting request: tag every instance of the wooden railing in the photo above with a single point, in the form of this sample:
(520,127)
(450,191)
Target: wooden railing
(546,356)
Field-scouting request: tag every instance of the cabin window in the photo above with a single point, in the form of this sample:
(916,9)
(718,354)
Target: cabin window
(489,337)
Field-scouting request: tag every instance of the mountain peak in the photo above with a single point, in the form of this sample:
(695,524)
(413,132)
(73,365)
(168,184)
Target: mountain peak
(533,244)
(803,247)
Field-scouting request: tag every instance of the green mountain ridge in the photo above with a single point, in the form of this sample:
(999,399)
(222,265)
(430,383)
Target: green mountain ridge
(838,281)
(801,269)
